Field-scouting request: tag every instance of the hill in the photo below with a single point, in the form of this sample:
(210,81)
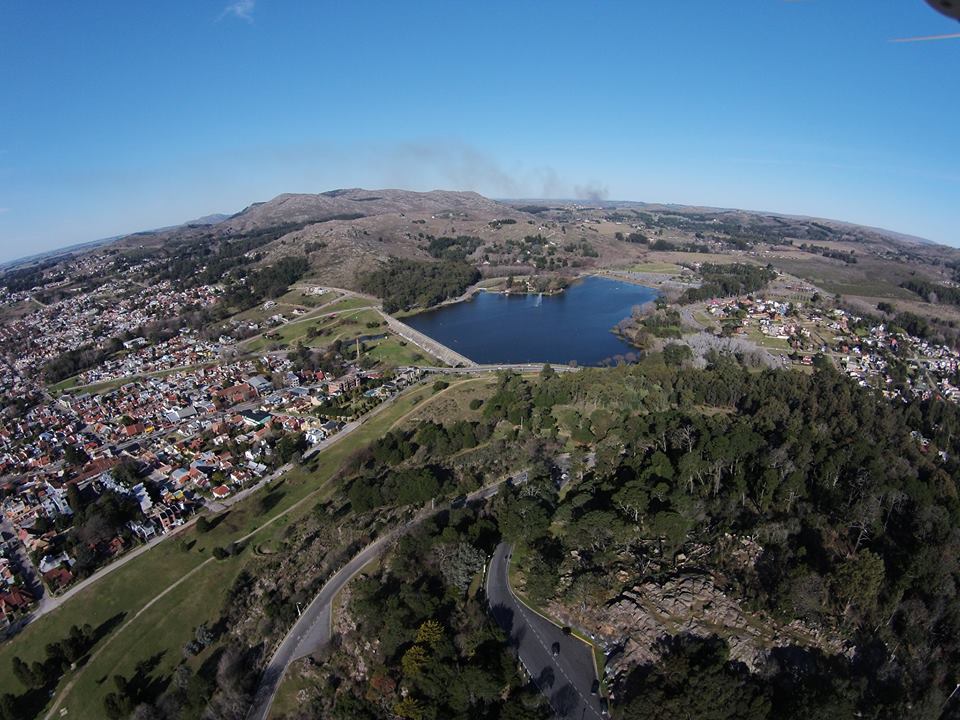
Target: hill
(347,232)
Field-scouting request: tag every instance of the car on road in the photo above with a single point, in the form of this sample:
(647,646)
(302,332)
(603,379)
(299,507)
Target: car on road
(594,687)
(604,707)
(555,649)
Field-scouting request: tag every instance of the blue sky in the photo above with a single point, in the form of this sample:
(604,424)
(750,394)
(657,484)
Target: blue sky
(122,115)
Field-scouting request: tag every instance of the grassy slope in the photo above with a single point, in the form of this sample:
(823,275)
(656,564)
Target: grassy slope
(168,624)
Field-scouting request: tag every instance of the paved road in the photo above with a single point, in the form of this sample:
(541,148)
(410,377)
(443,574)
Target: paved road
(313,631)
(18,554)
(565,679)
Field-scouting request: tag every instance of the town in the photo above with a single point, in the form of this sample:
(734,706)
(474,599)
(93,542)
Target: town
(874,354)
(131,448)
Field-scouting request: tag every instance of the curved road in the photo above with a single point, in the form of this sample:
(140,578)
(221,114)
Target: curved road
(566,679)
(312,630)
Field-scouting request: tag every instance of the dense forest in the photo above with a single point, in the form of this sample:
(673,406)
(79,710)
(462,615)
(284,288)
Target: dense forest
(858,526)
(448,248)
(271,281)
(406,284)
(728,280)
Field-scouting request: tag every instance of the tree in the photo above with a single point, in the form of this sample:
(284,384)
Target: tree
(413,661)
(75,455)
(430,633)
(203,635)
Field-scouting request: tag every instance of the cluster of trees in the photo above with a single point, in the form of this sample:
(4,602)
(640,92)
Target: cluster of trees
(457,249)
(71,362)
(637,238)
(383,477)
(847,257)
(438,652)
(206,259)
(95,524)
(728,280)
(858,525)
(40,677)
(268,282)
(582,248)
(406,284)
(26,278)
(933,292)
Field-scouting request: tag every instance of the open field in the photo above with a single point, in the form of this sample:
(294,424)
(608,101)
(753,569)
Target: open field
(299,329)
(396,352)
(161,630)
(454,403)
(299,297)
(658,268)
(869,277)
(349,303)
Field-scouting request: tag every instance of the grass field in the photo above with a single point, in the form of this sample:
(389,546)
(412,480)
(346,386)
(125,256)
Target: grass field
(454,403)
(659,268)
(297,330)
(349,303)
(299,297)
(161,630)
(394,352)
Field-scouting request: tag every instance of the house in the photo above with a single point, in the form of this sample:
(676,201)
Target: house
(180,414)
(260,384)
(220,491)
(244,392)
(144,530)
(52,562)
(255,418)
(58,578)
(133,429)
(344,384)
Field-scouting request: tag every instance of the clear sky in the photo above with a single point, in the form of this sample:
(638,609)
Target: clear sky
(122,115)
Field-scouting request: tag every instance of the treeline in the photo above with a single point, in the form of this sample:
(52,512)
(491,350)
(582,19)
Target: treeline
(847,257)
(933,292)
(406,284)
(448,248)
(728,280)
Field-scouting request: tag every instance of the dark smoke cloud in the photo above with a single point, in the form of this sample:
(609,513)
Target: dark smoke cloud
(592,192)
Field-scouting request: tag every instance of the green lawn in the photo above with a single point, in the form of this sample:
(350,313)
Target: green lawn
(160,631)
(299,297)
(64,385)
(660,268)
(349,303)
(396,352)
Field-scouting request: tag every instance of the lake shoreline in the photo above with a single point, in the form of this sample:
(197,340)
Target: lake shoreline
(571,324)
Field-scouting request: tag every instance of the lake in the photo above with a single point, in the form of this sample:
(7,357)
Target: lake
(575,325)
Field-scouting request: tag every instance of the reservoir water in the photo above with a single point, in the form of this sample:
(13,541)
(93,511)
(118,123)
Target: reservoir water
(575,325)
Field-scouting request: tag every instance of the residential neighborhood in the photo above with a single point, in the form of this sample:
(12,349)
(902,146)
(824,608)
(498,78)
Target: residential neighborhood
(874,355)
(137,443)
